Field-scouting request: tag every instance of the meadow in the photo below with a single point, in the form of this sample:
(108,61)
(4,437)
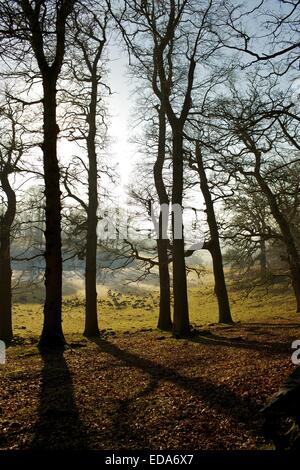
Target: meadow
(131,309)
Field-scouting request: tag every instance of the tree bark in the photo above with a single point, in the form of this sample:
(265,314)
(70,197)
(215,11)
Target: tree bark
(6,330)
(215,249)
(52,334)
(164,318)
(91,315)
(181,324)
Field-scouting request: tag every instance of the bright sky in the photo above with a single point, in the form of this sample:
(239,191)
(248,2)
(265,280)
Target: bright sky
(120,106)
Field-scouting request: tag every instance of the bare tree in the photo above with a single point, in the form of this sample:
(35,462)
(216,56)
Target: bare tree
(11,151)
(213,245)
(86,115)
(153,143)
(156,34)
(39,28)
(164,318)
(275,40)
(253,143)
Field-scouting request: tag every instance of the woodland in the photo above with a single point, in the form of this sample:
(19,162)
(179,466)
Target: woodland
(150,299)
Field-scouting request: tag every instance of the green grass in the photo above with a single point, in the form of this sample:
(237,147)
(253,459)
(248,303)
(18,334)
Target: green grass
(140,311)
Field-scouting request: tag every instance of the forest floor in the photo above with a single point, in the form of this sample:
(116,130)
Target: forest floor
(146,390)
(140,388)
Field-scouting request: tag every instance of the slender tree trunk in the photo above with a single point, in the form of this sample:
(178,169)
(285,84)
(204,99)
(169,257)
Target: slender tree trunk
(215,249)
(287,235)
(52,334)
(91,314)
(164,318)
(6,330)
(181,324)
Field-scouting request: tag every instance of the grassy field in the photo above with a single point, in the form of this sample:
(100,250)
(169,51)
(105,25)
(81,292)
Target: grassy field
(129,310)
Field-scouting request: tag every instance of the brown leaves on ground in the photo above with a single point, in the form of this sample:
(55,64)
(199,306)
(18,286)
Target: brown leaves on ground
(146,390)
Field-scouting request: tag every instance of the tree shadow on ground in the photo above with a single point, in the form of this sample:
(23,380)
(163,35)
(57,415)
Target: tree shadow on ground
(241,408)
(269,348)
(278,326)
(59,425)
(124,417)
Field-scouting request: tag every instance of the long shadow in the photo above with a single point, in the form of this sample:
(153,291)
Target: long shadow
(268,348)
(243,409)
(124,417)
(59,425)
(268,325)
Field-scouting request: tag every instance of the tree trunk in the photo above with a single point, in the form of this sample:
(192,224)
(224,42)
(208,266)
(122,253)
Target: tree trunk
(6,331)
(52,334)
(91,314)
(287,235)
(215,249)
(181,324)
(164,318)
